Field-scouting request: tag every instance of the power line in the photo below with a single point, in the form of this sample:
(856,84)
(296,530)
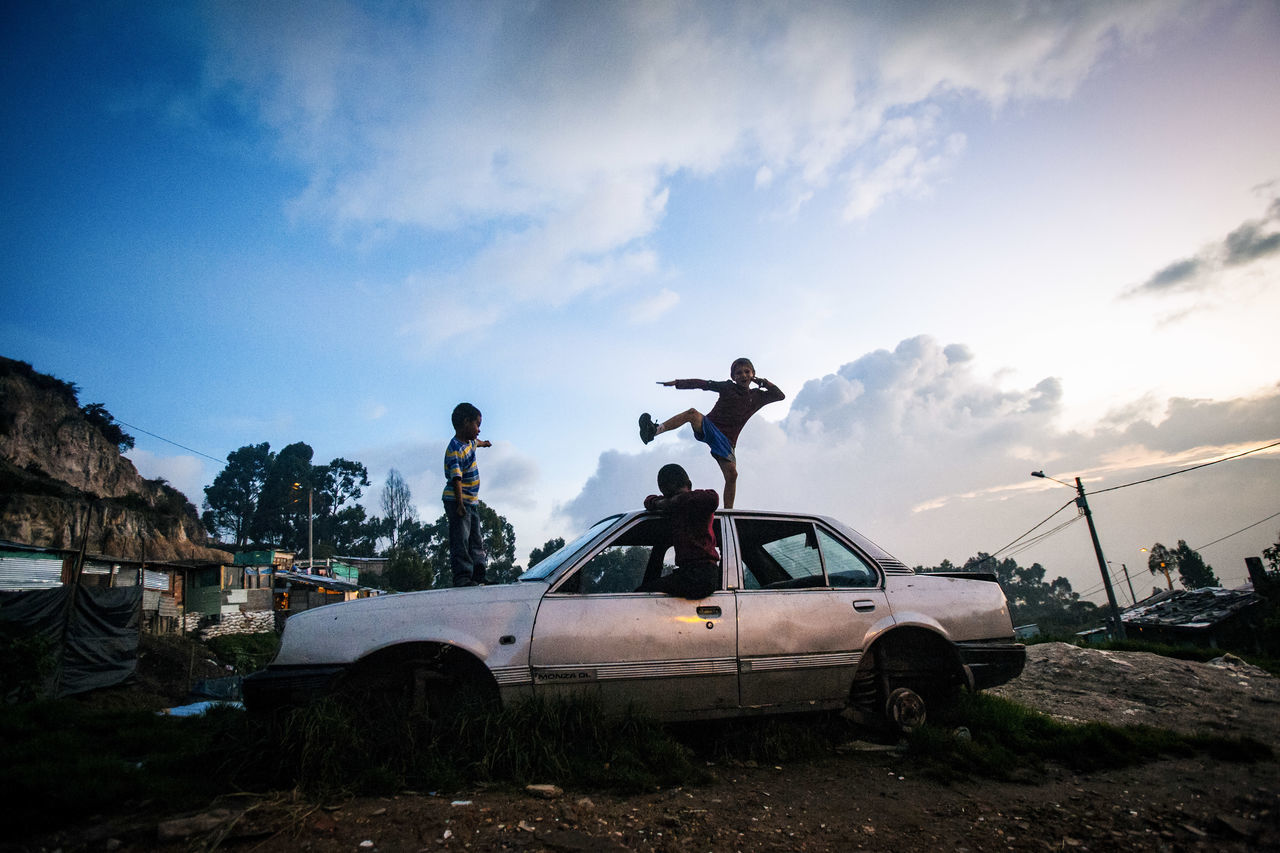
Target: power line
(1031,543)
(1241,530)
(1185,470)
(174,443)
(993,555)
(1044,536)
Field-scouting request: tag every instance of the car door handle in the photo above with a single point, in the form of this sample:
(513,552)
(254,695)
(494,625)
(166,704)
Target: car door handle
(864,605)
(708,612)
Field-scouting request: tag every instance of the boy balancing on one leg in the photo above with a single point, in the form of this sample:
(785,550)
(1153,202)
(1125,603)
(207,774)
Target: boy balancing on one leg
(697,573)
(720,427)
(467,556)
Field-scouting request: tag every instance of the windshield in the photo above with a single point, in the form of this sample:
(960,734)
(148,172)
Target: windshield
(549,564)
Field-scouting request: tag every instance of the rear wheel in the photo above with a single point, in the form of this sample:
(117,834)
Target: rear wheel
(905,710)
(900,681)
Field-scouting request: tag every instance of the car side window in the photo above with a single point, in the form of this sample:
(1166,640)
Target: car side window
(616,568)
(779,554)
(642,552)
(844,567)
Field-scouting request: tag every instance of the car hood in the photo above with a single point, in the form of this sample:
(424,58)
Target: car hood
(473,618)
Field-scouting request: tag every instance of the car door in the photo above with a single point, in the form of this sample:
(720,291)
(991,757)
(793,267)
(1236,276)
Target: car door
(808,604)
(595,634)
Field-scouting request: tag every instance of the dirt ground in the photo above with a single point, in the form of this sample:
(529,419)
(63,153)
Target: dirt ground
(862,797)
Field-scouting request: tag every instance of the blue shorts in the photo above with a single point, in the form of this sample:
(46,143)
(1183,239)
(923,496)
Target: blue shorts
(714,439)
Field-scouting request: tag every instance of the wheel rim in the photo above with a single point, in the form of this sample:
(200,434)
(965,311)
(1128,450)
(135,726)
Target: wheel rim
(905,709)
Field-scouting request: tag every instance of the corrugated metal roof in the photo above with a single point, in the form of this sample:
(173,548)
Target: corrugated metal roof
(1191,608)
(30,570)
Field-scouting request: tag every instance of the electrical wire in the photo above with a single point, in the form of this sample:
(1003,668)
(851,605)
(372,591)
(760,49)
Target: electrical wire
(174,443)
(1241,530)
(1025,545)
(1031,543)
(994,554)
(1185,470)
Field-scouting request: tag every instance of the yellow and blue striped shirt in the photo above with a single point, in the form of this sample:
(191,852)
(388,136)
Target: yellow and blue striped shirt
(460,463)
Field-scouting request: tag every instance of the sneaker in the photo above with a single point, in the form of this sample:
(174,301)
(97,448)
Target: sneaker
(648,429)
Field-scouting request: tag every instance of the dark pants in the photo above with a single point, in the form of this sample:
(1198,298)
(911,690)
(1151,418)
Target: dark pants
(467,558)
(695,581)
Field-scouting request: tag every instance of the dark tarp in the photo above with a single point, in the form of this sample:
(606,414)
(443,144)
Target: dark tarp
(99,642)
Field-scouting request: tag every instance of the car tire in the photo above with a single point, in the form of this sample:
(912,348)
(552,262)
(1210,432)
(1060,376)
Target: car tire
(417,688)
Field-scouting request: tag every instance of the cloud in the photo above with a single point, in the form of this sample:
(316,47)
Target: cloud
(654,306)
(548,135)
(1253,240)
(509,478)
(185,473)
(916,449)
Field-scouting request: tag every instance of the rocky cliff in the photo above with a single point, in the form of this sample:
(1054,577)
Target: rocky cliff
(59,472)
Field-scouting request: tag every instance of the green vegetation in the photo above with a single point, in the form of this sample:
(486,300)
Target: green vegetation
(60,758)
(1008,741)
(246,652)
(284,499)
(1032,600)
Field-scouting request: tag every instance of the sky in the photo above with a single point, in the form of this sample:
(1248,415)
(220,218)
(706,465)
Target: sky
(969,241)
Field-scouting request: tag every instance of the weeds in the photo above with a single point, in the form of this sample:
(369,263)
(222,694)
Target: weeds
(63,758)
(1008,741)
(327,749)
(246,652)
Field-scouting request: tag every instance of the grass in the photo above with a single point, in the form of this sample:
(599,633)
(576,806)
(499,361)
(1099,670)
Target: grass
(1008,741)
(246,652)
(67,758)
(330,749)
(59,758)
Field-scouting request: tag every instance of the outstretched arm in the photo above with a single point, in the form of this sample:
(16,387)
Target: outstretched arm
(687,384)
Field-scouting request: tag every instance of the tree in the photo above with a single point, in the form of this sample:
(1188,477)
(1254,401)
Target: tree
(397,505)
(281,516)
(1161,559)
(1272,555)
(408,570)
(339,520)
(499,542)
(537,555)
(97,414)
(1051,605)
(1193,571)
(231,503)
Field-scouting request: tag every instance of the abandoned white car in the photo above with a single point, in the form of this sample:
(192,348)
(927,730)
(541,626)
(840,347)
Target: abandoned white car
(810,615)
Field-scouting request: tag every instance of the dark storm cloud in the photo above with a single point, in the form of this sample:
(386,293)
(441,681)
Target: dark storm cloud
(1252,241)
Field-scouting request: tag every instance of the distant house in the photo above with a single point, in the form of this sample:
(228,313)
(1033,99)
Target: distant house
(31,567)
(164,584)
(269,580)
(1212,617)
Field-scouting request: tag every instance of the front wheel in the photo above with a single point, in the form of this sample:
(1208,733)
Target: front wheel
(414,689)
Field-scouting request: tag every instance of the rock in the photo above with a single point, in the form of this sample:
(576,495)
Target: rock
(1237,826)
(546,792)
(185,827)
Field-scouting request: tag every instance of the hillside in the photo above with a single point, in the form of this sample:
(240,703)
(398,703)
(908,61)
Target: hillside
(56,467)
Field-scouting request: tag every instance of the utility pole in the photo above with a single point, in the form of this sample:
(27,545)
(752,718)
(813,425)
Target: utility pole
(1083,503)
(1133,597)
